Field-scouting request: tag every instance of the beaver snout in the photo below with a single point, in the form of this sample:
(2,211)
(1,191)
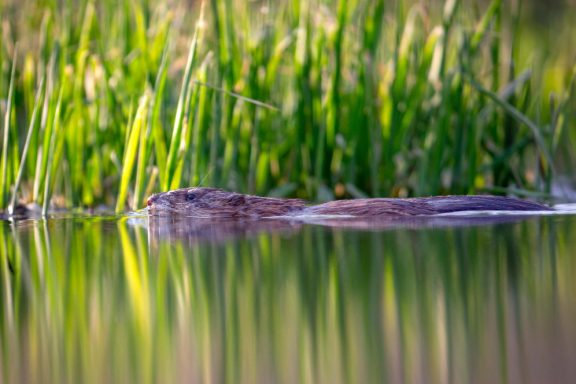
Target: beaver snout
(151,200)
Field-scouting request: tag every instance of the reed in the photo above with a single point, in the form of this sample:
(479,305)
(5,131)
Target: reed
(320,101)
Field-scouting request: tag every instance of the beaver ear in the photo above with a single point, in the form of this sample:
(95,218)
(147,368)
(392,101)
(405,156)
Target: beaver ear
(237,200)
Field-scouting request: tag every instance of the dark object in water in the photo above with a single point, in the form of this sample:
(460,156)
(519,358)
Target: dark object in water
(216,203)
(20,212)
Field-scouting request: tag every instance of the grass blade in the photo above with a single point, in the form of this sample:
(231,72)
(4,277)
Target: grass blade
(31,130)
(4,183)
(185,94)
(536,131)
(131,152)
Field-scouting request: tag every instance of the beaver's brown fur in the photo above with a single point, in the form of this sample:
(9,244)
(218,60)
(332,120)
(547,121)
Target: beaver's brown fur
(216,203)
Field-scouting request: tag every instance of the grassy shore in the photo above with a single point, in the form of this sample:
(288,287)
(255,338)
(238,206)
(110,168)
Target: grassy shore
(105,102)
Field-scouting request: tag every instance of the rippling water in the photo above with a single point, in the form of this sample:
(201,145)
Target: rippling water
(446,299)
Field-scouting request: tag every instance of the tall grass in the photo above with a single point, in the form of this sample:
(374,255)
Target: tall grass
(318,100)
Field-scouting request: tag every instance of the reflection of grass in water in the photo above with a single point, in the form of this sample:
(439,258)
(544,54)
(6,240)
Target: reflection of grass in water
(373,98)
(82,304)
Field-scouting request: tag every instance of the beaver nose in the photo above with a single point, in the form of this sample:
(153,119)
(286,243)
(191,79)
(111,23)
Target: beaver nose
(151,200)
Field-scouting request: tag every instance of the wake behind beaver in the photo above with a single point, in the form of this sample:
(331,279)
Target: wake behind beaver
(217,203)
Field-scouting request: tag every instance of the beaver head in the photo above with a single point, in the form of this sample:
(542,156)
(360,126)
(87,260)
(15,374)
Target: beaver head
(217,203)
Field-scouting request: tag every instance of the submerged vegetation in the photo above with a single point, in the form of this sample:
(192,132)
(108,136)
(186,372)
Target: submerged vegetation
(104,102)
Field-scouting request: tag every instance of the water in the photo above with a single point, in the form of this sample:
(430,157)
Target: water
(439,300)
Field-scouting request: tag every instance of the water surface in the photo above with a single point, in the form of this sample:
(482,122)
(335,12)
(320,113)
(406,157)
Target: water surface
(440,300)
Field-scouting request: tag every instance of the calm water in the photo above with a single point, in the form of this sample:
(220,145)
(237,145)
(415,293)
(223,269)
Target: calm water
(447,300)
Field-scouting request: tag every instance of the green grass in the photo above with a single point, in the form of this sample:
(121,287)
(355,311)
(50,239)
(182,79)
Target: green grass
(106,102)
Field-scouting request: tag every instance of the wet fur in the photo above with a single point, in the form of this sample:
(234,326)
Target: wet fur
(216,203)
(423,206)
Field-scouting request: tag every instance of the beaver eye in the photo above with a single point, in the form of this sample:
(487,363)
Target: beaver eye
(190,196)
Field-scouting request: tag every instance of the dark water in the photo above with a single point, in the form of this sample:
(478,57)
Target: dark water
(447,300)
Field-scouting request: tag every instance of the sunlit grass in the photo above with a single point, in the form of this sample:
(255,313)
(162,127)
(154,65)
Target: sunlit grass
(105,102)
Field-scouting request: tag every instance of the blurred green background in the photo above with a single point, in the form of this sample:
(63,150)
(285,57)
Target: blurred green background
(104,102)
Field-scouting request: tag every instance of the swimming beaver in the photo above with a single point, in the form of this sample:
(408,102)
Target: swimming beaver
(217,203)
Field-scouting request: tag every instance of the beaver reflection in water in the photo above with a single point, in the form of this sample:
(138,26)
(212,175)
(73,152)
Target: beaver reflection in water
(217,203)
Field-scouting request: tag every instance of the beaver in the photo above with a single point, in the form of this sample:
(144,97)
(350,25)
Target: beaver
(217,203)
(20,212)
